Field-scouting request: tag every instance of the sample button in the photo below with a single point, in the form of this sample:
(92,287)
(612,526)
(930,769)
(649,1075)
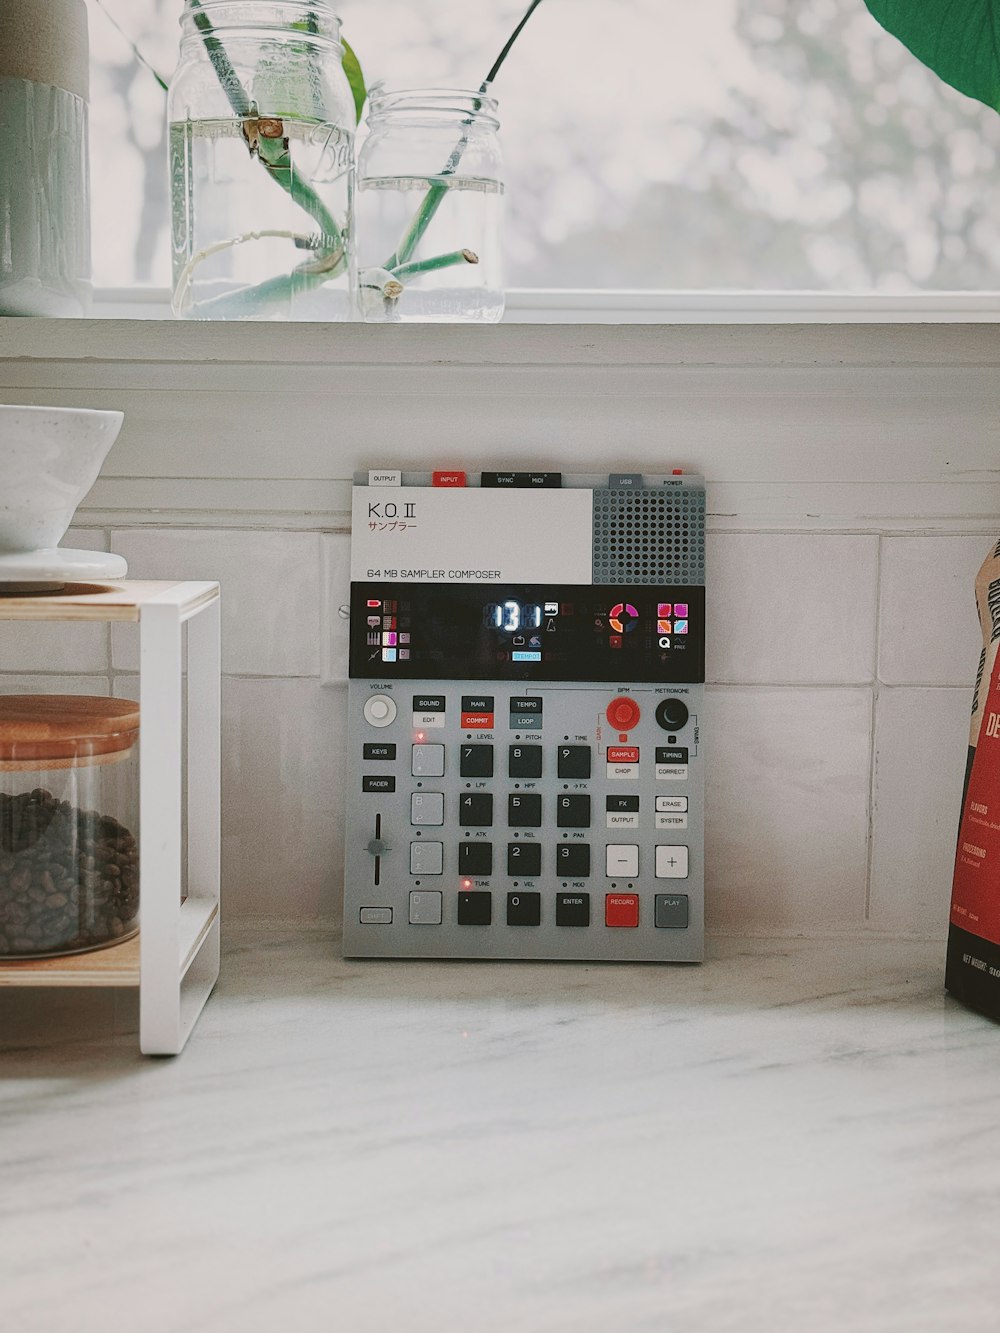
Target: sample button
(621,909)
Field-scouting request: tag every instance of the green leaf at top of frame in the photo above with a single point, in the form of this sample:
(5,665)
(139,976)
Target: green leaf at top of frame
(958,39)
(352,68)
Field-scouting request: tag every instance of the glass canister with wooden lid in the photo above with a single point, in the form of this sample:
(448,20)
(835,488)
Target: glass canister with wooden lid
(69,823)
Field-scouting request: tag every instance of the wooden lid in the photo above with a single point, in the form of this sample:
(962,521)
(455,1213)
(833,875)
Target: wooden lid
(64,726)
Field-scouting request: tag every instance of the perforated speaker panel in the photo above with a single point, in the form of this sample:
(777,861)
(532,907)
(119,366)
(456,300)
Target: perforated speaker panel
(649,535)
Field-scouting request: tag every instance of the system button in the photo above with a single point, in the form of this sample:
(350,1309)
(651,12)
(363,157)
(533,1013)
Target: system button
(671,821)
(675,804)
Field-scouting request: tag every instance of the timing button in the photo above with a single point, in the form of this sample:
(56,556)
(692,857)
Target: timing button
(524,761)
(573,859)
(671,754)
(475,810)
(524,811)
(574,761)
(524,909)
(379,710)
(573,812)
(475,761)
(572,909)
(427,761)
(524,859)
(475,908)
(475,858)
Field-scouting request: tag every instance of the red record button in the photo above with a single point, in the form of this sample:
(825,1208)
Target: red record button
(621,909)
(623,713)
(448,478)
(623,754)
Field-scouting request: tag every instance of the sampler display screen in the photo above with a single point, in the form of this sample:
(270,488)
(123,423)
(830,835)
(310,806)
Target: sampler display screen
(528,632)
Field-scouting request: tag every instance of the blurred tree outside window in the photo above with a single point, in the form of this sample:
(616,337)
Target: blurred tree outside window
(761,145)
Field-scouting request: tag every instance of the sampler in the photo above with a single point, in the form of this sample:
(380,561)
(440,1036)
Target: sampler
(525,769)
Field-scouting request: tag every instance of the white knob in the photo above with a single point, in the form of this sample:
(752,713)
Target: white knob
(379,710)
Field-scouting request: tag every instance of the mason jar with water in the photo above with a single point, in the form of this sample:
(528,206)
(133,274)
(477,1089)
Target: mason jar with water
(261,163)
(430,193)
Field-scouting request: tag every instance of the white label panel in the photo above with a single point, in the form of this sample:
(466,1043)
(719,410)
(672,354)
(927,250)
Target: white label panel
(426,534)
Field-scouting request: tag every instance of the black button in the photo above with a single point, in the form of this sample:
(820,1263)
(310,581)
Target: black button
(477,703)
(524,909)
(530,703)
(429,703)
(672,714)
(475,761)
(524,810)
(524,761)
(573,812)
(574,761)
(573,859)
(374,751)
(475,858)
(378,784)
(524,859)
(572,909)
(621,805)
(671,754)
(475,908)
(475,809)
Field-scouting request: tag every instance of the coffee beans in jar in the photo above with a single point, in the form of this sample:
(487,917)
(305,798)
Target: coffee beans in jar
(69,855)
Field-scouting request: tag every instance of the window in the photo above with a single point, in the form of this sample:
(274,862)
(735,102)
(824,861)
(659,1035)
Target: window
(650,144)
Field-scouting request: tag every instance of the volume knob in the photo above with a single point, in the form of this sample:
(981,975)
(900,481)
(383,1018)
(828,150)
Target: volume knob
(672,714)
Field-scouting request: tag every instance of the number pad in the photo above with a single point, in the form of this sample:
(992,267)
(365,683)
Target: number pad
(475,761)
(524,810)
(524,859)
(524,761)
(475,809)
(573,812)
(574,761)
(573,859)
(475,858)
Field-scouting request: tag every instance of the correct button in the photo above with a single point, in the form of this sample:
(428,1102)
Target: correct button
(380,710)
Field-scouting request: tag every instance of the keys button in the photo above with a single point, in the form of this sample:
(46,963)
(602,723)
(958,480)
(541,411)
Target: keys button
(372,750)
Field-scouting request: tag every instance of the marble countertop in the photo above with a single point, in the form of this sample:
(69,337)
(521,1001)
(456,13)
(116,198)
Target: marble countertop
(797,1135)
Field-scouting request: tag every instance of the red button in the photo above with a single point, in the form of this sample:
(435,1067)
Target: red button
(623,713)
(448,478)
(623,754)
(621,909)
(477,721)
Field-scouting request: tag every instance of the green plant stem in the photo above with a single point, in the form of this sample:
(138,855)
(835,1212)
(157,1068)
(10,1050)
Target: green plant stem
(419,266)
(435,195)
(273,153)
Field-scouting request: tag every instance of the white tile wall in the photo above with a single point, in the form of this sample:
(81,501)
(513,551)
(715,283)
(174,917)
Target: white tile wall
(791,608)
(921,742)
(787,807)
(929,632)
(797,788)
(45,647)
(271,599)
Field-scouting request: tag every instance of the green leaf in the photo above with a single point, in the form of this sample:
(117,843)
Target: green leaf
(958,39)
(352,68)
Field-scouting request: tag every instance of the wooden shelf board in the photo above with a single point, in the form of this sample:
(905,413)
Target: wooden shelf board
(118,965)
(100,601)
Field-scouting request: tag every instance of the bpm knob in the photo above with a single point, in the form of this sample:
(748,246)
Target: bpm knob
(379,710)
(623,713)
(672,714)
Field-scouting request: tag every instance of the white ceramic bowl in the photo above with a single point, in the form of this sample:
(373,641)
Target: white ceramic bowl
(49,459)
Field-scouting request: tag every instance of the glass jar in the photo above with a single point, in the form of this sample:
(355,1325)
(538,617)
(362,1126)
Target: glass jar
(69,821)
(429,202)
(261,123)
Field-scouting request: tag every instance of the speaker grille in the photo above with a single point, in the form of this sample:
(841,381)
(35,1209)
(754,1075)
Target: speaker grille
(649,536)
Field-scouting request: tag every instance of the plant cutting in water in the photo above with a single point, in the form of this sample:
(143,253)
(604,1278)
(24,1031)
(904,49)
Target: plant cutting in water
(271,142)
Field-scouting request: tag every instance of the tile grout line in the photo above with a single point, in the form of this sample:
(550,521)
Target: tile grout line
(872,747)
